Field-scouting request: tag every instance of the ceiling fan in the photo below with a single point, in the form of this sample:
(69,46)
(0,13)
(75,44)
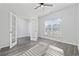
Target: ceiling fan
(42,5)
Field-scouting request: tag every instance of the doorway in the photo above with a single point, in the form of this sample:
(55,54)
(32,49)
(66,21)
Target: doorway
(13,33)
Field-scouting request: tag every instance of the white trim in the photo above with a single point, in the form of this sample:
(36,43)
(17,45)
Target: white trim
(58,40)
(23,36)
(78,48)
(11,13)
(6,45)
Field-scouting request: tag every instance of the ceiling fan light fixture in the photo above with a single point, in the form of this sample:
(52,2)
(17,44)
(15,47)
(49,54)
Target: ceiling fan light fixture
(42,5)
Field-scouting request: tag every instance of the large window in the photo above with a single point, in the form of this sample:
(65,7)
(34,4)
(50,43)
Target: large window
(53,27)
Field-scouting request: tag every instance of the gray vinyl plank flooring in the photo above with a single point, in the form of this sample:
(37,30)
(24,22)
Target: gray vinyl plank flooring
(22,45)
(69,50)
(25,43)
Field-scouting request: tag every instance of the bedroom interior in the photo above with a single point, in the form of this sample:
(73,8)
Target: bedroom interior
(39,29)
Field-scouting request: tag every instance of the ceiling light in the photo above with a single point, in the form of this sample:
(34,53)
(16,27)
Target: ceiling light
(42,5)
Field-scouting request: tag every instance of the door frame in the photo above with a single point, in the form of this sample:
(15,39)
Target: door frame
(32,37)
(12,45)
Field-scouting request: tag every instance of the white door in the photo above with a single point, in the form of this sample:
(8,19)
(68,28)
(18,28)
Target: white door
(13,38)
(34,29)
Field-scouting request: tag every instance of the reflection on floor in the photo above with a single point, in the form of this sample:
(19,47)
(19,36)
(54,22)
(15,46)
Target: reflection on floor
(25,44)
(42,49)
(69,50)
(22,45)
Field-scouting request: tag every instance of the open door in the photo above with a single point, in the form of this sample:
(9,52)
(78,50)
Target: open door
(13,38)
(33,29)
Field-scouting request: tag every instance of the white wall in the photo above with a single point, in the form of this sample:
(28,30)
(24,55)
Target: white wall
(22,27)
(5,21)
(4,26)
(69,19)
(78,22)
(78,25)
(68,15)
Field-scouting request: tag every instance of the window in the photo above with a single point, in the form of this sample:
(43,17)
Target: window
(52,25)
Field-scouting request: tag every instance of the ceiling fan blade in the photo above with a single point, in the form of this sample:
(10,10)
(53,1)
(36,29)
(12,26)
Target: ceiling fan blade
(37,7)
(48,5)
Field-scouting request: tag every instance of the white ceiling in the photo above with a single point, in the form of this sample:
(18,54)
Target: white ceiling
(27,9)
(56,6)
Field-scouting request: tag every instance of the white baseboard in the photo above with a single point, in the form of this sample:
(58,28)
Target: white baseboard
(6,45)
(23,37)
(78,48)
(59,41)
